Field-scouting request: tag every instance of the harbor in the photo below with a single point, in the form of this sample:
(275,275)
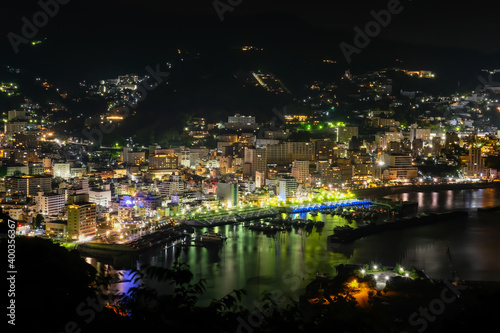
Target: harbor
(259,262)
(268,221)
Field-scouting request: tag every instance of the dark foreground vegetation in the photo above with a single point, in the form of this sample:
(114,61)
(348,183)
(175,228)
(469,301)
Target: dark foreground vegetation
(58,291)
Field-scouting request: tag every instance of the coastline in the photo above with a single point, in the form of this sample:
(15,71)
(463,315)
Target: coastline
(383,191)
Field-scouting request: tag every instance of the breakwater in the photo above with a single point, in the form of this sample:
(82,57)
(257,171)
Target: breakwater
(347,234)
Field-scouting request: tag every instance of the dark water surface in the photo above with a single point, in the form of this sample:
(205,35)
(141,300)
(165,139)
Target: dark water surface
(289,260)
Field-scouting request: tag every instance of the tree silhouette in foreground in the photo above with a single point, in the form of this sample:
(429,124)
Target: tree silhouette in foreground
(58,291)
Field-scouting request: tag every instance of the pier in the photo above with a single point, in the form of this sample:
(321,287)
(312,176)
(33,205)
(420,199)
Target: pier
(328,205)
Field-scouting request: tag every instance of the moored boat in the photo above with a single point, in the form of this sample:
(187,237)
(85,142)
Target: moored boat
(212,237)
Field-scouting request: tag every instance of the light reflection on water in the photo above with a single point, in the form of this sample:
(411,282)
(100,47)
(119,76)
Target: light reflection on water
(260,263)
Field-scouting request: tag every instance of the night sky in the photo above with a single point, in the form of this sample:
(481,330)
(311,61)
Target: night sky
(94,39)
(468,25)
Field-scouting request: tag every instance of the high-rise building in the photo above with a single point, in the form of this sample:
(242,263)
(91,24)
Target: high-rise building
(29,185)
(324,172)
(163,161)
(475,167)
(83,184)
(324,150)
(62,170)
(82,220)
(24,141)
(18,169)
(15,127)
(13,115)
(345,133)
(241,122)
(287,152)
(394,147)
(256,161)
(49,204)
(437,145)
(399,166)
(128,156)
(260,179)
(417,146)
(287,187)
(171,187)
(419,133)
(228,192)
(300,171)
(101,197)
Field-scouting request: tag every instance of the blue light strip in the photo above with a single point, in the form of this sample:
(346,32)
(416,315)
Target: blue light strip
(329,205)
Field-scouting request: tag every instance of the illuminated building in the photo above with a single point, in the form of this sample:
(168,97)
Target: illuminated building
(300,171)
(287,152)
(19,169)
(82,220)
(324,150)
(82,184)
(171,187)
(57,227)
(399,166)
(287,187)
(29,185)
(62,170)
(255,161)
(420,74)
(260,179)
(384,122)
(295,119)
(101,197)
(125,213)
(128,156)
(241,122)
(49,204)
(345,133)
(15,127)
(24,155)
(419,133)
(163,161)
(228,192)
(78,172)
(475,165)
(16,115)
(25,140)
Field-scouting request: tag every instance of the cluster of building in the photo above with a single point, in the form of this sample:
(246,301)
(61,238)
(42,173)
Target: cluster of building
(247,167)
(81,194)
